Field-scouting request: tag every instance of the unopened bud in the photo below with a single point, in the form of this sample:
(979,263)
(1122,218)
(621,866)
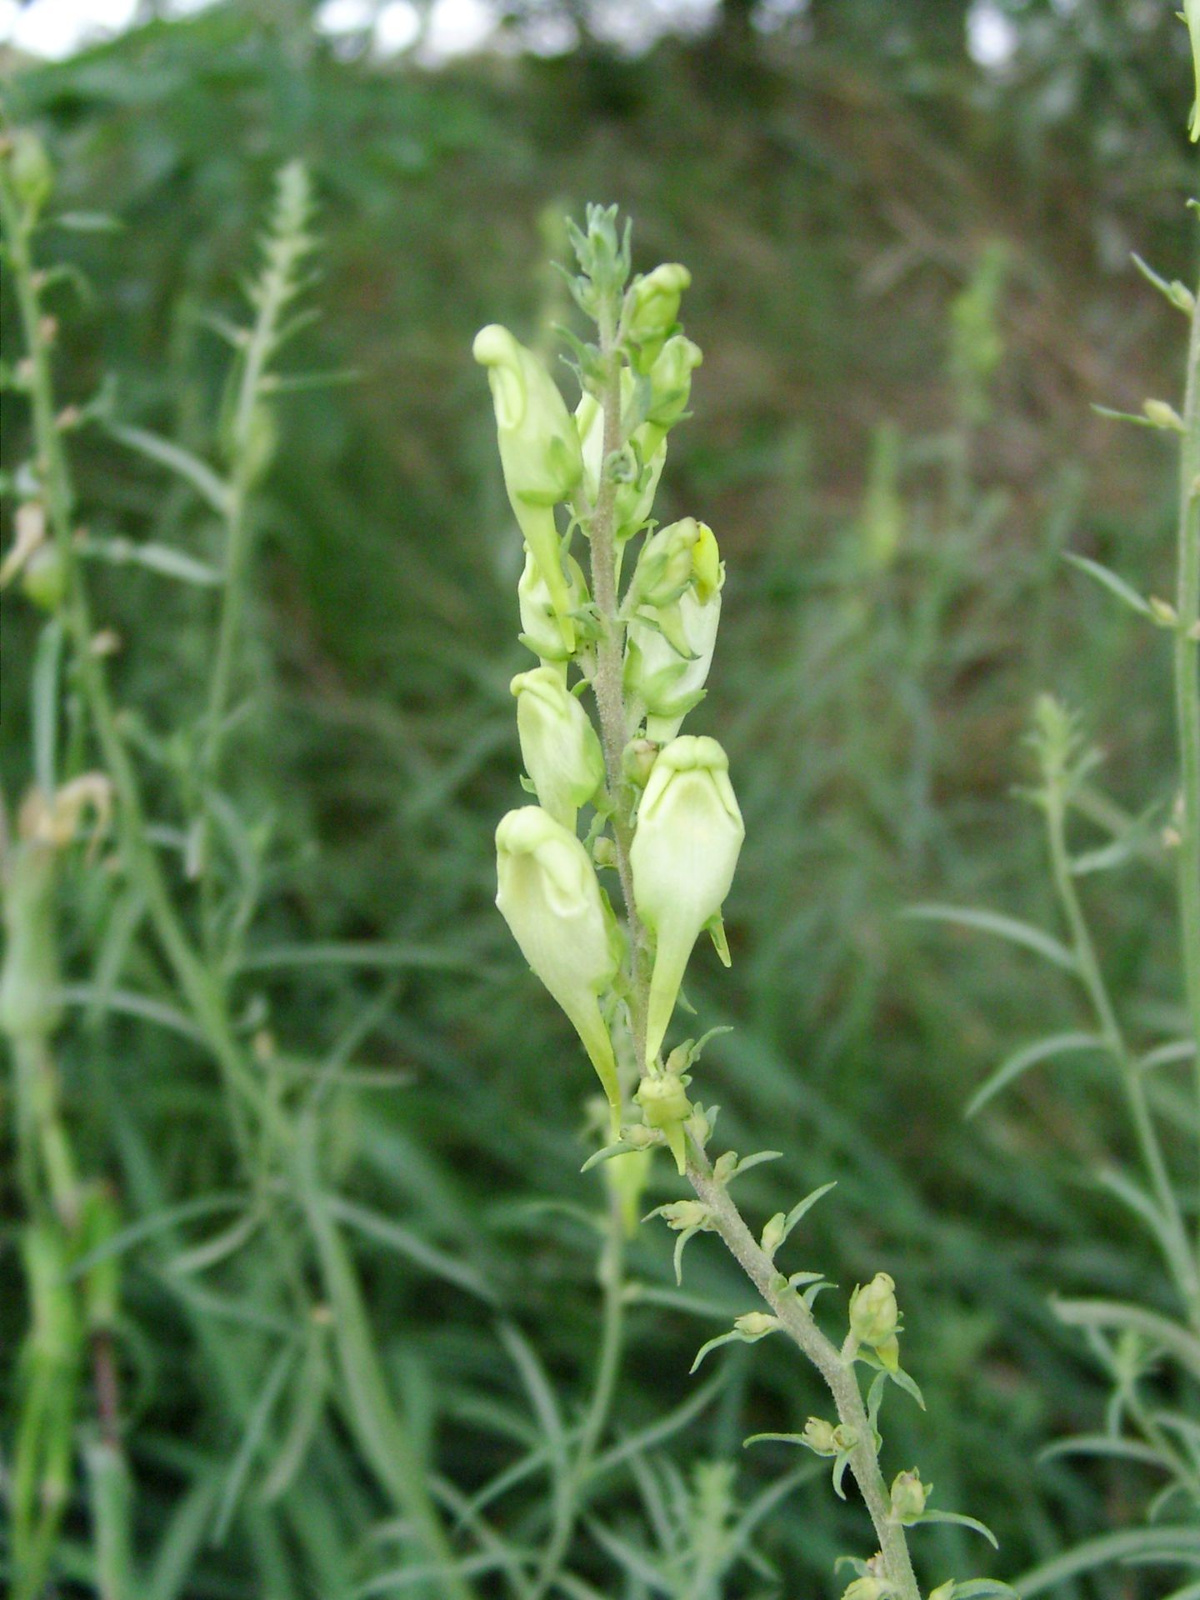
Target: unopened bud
(1161,415)
(867,1589)
(665,1106)
(874,1314)
(909,1495)
(541,628)
(756,1324)
(559,746)
(671,384)
(683,1214)
(652,309)
(818,1435)
(772,1234)
(637,761)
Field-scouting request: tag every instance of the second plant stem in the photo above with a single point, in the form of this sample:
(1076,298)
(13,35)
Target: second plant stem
(794,1317)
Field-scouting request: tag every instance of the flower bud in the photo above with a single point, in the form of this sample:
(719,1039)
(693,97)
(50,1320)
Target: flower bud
(867,1589)
(665,566)
(909,1495)
(539,450)
(652,309)
(667,682)
(549,896)
(558,744)
(684,852)
(944,1591)
(818,1435)
(637,761)
(671,384)
(874,1314)
(683,1214)
(541,629)
(665,1106)
(772,1234)
(756,1324)
(635,496)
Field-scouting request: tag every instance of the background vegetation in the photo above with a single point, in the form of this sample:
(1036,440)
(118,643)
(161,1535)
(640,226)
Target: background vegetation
(911,279)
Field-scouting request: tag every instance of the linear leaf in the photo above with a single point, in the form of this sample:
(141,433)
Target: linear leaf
(1131,1544)
(1109,579)
(1105,1444)
(1029,1056)
(182,462)
(960,1520)
(1173,1338)
(1010,928)
(160,558)
(409,1244)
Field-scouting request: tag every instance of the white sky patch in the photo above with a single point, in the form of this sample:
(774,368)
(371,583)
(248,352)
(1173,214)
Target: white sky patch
(991,35)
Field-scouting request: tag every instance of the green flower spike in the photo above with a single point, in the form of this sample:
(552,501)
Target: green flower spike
(1191,15)
(684,852)
(558,744)
(549,896)
(539,451)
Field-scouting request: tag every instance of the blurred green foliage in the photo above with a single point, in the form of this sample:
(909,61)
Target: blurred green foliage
(911,280)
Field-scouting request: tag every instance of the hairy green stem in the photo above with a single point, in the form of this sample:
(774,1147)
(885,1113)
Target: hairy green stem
(793,1315)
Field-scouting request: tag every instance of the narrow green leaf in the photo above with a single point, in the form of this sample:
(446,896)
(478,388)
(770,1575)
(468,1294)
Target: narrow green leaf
(1170,1336)
(1029,1056)
(962,1521)
(713,1344)
(160,558)
(400,1239)
(803,1207)
(1109,579)
(1131,1544)
(1010,928)
(252,1437)
(1165,1055)
(183,463)
(1105,1444)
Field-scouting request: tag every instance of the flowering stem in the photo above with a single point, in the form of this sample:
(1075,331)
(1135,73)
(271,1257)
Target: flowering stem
(795,1318)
